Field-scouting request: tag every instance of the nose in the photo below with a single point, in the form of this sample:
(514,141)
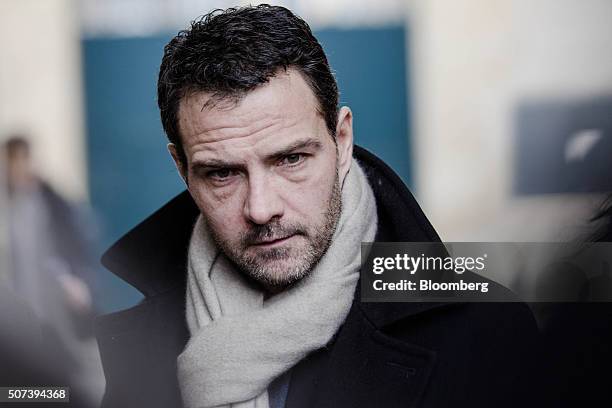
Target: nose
(263,203)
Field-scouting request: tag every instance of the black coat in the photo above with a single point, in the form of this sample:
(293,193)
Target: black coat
(384,355)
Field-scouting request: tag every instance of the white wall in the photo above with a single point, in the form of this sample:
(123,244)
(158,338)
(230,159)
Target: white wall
(473,61)
(41,87)
(146,17)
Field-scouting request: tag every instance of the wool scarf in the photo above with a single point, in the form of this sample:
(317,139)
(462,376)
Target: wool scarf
(240,342)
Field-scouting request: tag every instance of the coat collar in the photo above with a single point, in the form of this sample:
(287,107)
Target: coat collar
(152,257)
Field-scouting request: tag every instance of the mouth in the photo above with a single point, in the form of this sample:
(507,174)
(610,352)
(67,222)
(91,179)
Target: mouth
(274,242)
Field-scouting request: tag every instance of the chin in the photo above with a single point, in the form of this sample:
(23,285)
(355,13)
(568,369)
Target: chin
(279,275)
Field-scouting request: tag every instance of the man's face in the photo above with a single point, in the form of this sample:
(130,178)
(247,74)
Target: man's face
(266,175)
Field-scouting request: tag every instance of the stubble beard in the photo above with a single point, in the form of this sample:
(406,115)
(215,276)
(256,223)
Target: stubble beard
(278,268)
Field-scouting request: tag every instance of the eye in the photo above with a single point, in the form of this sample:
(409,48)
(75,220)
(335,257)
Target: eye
(221,174)
(293,159)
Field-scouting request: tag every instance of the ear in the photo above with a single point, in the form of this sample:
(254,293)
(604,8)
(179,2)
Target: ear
(344,141)
(180,166)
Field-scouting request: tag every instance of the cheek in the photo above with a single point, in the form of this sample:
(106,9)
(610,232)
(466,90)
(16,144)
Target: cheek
(310,198)
(223,211)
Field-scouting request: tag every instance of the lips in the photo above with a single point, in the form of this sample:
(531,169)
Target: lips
(272,241)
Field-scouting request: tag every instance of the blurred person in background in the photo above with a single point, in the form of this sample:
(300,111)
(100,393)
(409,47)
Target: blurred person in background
(50,265)
(47,245)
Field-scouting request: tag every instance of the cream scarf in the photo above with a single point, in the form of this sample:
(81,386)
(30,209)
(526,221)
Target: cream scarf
(239,342)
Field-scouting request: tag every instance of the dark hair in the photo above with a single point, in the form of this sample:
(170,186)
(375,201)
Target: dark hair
(15,144)
(230,52)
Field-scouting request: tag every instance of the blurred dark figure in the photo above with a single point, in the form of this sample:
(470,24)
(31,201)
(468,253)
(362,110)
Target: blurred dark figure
(578,336)
(46,242)
(50,271)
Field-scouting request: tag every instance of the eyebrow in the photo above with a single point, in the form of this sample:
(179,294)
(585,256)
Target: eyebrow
(310,143)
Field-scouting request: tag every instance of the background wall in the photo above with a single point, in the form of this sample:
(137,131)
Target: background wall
(40,87)
(475,62)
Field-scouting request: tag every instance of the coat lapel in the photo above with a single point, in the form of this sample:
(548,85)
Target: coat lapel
(364,367)
(139,347)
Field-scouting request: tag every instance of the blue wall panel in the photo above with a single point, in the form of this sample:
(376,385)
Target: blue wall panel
(371,69)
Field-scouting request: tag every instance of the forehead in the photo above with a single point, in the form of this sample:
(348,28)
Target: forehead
(285,101)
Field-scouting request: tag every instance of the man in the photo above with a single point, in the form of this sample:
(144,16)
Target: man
(250,278)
